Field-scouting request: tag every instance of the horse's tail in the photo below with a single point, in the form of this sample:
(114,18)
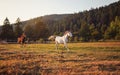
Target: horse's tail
(52,37)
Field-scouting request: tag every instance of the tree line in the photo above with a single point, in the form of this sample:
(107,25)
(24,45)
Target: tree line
(96,24)
(10,32)
(93,25)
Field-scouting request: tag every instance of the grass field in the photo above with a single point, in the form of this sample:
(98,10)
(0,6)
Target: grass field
(98,58)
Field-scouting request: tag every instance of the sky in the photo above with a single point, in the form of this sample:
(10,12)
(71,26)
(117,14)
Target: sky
(28,9)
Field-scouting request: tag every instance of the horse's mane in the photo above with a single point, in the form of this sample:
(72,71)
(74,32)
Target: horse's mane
(66,32)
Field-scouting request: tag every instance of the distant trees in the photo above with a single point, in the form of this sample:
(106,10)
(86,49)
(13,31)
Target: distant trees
(84,32)
(29,31)
(18,29)
(96,24)
(40,30)
(7,31)
(93,25)
(113,31)
(36,31)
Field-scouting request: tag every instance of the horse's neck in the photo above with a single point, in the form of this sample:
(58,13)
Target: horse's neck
(23,35)
(65,36)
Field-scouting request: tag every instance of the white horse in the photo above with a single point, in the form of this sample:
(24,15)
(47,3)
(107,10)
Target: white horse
(61,40)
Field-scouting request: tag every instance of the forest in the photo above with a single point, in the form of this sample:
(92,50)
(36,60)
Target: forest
(98,24)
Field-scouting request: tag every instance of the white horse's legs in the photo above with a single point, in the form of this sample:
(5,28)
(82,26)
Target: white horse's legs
(66,46)
(56,44)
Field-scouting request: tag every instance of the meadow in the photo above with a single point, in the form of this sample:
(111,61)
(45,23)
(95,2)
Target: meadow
(95,58)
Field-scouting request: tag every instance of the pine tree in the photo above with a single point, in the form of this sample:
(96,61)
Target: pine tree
(37,31)
(18,30)
(29,31)
(84,32)
(40,30)
(113,31)
(7,31)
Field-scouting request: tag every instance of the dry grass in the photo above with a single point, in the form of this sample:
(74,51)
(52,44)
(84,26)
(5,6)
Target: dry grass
(100,58)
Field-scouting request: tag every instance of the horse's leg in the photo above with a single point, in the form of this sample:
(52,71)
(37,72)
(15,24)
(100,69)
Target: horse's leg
(18,40)
(21,43)
(56,44)
(24,42)
(65,45)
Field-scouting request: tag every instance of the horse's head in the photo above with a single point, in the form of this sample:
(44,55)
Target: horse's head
(68,33)
(23,35)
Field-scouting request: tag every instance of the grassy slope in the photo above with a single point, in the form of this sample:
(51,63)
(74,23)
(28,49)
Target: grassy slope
(83,58)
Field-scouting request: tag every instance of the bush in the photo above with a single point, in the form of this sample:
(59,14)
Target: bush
(76,39)
(40,40)
(117,37)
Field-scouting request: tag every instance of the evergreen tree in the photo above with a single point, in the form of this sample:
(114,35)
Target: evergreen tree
(113,31)
(84,32)
(39,30)
(92,29)
(18,30)
(7,31)
(96,35)
(29,32)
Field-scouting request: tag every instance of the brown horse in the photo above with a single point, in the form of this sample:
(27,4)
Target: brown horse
(21,39)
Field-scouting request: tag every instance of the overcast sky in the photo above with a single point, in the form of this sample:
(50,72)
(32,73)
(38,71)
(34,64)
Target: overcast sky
(27,9)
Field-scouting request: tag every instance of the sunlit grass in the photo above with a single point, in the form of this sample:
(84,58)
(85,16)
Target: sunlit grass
(83,58)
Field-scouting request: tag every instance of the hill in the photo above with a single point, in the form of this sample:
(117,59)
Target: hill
(55,17)
(89,25)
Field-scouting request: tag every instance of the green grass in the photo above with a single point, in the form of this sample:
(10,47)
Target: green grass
(41,59)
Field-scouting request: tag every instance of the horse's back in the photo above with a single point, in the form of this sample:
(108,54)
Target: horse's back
(59,39)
